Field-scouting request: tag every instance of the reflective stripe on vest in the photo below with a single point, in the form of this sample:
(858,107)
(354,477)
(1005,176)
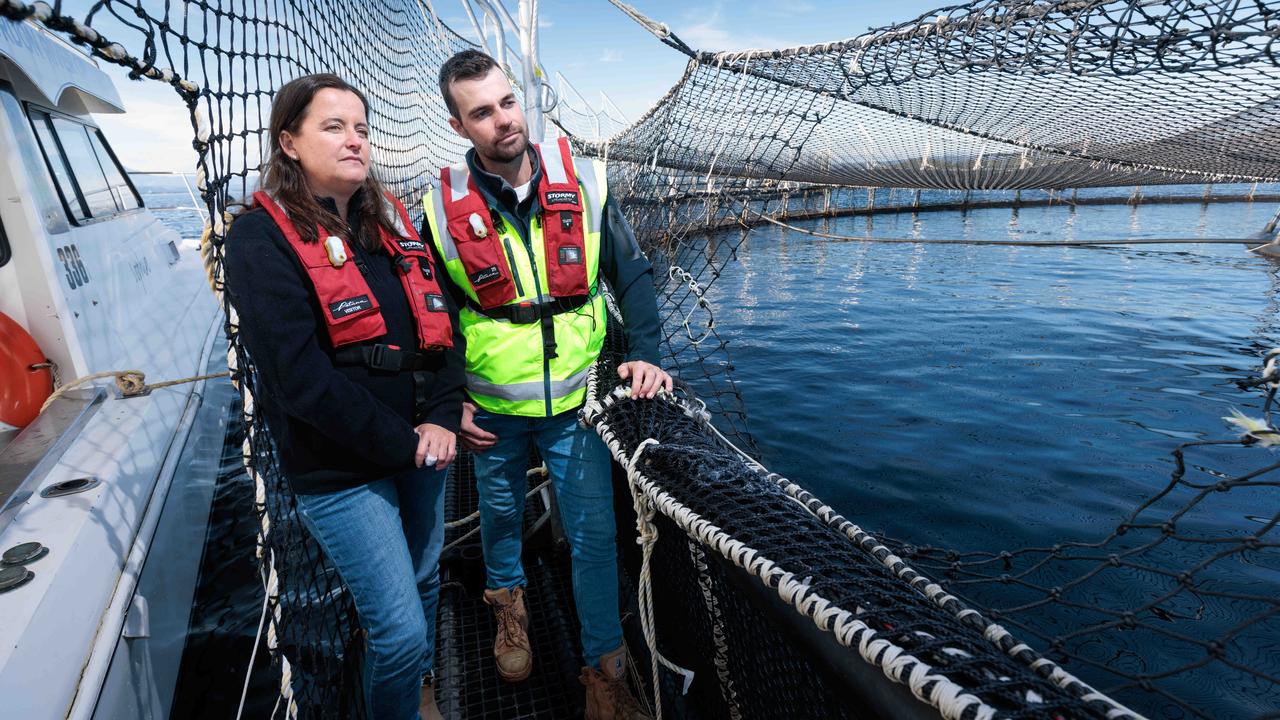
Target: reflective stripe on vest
(351,312)
(505,361)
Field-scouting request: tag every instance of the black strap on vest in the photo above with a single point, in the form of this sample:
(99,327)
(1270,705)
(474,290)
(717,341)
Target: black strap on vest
(528,313)
(384,357)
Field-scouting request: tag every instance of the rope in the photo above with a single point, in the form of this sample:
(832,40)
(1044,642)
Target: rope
(647,534)
(540,470)
(473,516)
(257,640)
(130,383)
(659,29)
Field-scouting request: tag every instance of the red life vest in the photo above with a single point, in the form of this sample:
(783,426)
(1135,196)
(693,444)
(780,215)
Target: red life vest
(480,248)
(351,312)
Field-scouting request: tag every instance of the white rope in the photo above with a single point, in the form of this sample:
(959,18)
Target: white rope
(659,29)
(647,536)
(270,578)
(540,470)
(253,656)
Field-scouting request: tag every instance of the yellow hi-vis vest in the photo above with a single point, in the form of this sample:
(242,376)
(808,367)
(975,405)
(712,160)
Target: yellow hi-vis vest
(507,369)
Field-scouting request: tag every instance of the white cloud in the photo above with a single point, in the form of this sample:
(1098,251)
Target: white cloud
(712,33)
(611,55)
(151,135)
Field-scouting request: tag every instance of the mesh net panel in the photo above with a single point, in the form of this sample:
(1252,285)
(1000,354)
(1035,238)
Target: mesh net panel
(983,98)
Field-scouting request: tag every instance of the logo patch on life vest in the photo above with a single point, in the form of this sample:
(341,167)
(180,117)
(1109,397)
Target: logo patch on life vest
(435,303)
(411,245)
(570,255)
(562,197)
(350,306)
(486,276)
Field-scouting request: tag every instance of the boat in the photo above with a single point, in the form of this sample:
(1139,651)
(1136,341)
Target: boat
(105,493)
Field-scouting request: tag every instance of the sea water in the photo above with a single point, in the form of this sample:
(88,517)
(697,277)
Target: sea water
(990,398)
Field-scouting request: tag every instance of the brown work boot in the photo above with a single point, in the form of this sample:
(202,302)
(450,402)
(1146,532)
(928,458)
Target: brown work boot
(427,709)
(608,697)
(511,647)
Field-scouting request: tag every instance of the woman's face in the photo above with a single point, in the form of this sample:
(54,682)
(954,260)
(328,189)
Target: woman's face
(331,144)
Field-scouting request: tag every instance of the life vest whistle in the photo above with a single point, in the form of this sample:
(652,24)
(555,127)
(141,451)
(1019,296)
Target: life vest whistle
(477,225)
(337,253)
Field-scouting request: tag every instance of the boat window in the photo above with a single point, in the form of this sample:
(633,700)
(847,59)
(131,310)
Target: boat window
(57,164)
(43,195)
(88,176)
(122,189)
(85,167)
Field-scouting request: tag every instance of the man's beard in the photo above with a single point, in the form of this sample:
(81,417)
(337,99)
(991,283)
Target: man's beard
(503,156)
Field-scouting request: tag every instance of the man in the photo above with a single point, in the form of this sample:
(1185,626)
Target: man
(525,234)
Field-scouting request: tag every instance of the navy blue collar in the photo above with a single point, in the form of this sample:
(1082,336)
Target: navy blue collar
(499,191)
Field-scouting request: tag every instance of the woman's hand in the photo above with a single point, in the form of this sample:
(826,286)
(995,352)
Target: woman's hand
(436,446)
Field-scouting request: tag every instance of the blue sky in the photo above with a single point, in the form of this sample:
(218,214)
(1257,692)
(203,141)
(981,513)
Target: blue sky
(593,44)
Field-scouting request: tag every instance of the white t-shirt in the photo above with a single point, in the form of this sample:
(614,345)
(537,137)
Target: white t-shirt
(522,192)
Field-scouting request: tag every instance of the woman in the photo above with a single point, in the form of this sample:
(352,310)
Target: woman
(359,370)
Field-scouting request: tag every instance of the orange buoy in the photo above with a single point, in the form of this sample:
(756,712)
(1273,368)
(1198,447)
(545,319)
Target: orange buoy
(23,388)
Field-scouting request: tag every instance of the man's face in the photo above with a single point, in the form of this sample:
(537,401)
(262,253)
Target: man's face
(490,117)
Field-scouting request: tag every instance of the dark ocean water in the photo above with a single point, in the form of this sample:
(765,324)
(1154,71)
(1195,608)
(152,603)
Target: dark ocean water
(940,382)
(968,397)
(995,398)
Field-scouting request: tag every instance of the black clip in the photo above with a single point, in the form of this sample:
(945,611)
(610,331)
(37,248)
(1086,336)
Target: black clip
(403,263)
(385,357)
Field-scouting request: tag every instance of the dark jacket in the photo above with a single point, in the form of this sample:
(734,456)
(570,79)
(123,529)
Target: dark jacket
(622,264)
(335,426)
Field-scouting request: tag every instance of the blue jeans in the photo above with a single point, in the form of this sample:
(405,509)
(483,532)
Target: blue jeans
(385,539)
(581,474)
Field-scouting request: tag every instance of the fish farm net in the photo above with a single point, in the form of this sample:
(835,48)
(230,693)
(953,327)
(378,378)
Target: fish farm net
(757,599)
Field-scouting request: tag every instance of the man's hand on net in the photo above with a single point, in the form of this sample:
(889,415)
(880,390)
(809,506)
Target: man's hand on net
(646,378)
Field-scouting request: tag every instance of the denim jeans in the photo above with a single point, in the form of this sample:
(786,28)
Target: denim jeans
(385,539)
(581,474)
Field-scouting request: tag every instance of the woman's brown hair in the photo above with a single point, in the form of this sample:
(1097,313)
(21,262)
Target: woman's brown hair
(283,179)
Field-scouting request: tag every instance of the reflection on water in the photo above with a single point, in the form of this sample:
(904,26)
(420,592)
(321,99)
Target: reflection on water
(990,397)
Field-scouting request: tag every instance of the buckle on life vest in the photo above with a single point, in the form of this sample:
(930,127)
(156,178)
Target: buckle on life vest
(378,356)
(524,313)
(385,357)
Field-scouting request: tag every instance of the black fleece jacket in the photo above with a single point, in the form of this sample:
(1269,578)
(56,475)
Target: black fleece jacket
(335,426)
(622,264)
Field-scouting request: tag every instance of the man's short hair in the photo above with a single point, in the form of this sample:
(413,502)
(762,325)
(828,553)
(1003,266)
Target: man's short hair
(465,65)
